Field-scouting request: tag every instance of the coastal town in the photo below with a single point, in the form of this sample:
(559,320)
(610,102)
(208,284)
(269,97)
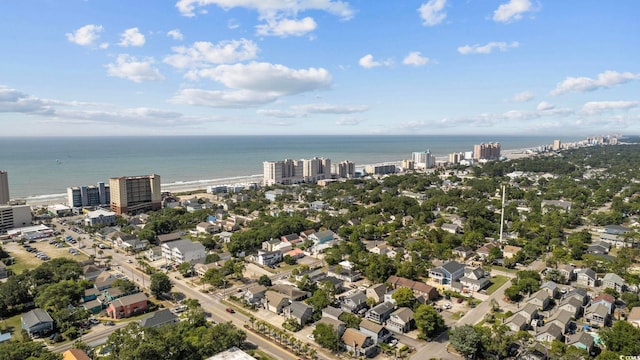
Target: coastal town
(484,254)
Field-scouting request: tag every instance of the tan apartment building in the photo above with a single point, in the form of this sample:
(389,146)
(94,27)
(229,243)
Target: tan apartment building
(135,194)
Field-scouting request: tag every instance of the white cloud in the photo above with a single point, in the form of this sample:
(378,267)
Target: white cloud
(597,107)
(203,53)
(233,24)
(605,80)
(348,121)
(414,58)
(488,48)
(12,100)
(175,34)
(271,8)
(432,12)
(284,114)
(85,35)
(512,11)
(223,99)
(543,105)
(131,37)
(286,27)
(331,109)
(128,67)
(268,78)
(522,97)
(368,62)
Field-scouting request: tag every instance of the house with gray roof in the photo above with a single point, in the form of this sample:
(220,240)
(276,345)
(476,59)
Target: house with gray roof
(562,318)
(582,340)
(447,273)
(475,279)
(587,277)
(573,305)
(613,281)
(275,301)
(378,332)
(401,320)
(37,322)
(599,248)
(580,294)
(551,288)
(549,332)
(541,299)
(358,343)
(597,314)
(530,311)
(517,322)
(381,312)
(322,237)
(255,294)
(299,311)
(354,302)
(290,291)
(332,312)
(376,292)
(338,326)
(159,318)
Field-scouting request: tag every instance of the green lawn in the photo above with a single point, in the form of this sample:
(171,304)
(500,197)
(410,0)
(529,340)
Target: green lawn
(14,325)
(496,282)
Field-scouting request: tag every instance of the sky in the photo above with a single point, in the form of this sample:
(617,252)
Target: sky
(324,67)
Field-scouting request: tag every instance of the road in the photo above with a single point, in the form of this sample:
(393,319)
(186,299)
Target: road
(210,304)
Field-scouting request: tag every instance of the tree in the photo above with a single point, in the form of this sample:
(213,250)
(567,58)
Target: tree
(160,284)
(185,269)
(319,300)
(350,320)
(428,321)
(326,336)
(512,293)
(26,350)
(621,338)
(404,297)
(125,286)
(289,260)
(465,339)
(264,280)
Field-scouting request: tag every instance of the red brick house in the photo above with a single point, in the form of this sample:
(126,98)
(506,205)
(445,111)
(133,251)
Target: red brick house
(128,306)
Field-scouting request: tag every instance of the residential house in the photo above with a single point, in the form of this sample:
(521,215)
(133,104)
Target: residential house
(275,301)
(562,318)
(270,245)
(537,352)
(201,269)
(356,342)
(463,252)
(376,292)
(321,237)
(93,306)
(587,277)
(128,306)
(225,236)
(546,205)
(447,273)
(168,237)
(292,292)
(510,251)
(378,333)
(255,294)
(568,271)
(338,326)
(530,311)
(295,253)
(549,332)
(597,314)
(344,273)
(451,228)
(616,229)
(119,238)
(541,299)
(571,304)
(207,228)
(134,245)
(283,247)
(104,280)
(380,249)
(91,294)
(37,322)
(268,258)
(613,281)
(180,251)
(518,322)
(484,251)
(318,205)
(551,288)
(75,354)
(304,235)
(299,311)
(401,320)
(381,312)
(291,238)
(606,300)
(159,318)
(355,302)
(90,272)
(634,316)
(582,340)
(154,253)
(420,289)
(599,248)
(332,312)
(580,294)
(474,279)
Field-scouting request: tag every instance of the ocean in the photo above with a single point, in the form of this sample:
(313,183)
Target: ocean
(46,166)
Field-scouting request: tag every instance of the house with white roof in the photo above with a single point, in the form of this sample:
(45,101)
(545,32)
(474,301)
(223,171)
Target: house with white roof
(183,250)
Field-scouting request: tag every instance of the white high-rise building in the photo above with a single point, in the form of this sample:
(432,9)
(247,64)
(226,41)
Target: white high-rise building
(423,159)
(289,171)
(345,169)
(4,188)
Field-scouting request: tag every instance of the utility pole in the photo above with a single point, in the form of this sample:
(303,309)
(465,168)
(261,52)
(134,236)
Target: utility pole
(504,190)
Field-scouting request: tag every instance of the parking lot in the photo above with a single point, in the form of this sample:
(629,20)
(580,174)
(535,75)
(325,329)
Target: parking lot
(27,259)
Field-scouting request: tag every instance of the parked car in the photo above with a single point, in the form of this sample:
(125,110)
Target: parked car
(230,310)
(109,323)
(460,300)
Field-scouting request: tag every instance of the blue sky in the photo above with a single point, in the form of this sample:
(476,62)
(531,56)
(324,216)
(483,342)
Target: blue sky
(218,67)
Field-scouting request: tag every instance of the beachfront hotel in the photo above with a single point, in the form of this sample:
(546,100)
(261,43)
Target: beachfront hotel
(423,159)
(4,188)
(135,194)
(490,151)
(82,196)
(288,172)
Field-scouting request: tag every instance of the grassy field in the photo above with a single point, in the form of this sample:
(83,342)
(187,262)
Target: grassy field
(26,260)
(13,325)
(496,282)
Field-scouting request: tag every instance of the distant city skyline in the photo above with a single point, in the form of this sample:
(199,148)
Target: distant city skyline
(325,67)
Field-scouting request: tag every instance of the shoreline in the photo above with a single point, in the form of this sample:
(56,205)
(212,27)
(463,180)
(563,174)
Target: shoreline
(193,185)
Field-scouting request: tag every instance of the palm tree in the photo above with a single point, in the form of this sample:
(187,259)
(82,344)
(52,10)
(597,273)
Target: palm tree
(252,320)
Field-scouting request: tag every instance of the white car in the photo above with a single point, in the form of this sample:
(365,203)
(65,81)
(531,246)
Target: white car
(310,337)
(447,305)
